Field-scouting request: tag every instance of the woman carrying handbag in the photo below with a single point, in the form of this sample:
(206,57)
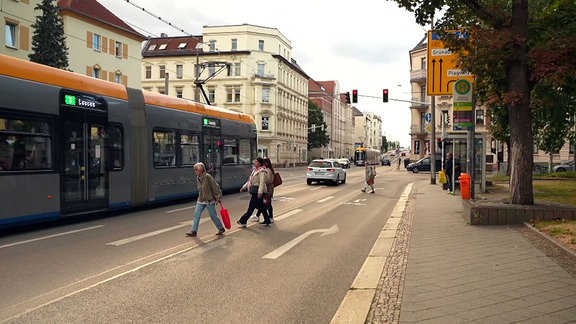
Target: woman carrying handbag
(256,186)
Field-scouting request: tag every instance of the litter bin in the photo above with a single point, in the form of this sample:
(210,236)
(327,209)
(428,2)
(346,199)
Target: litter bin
(465,185)
(406,162)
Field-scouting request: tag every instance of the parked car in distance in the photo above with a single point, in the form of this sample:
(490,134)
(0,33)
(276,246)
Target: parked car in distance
(385,161)
(423,165)
(344,162)
(325,170)
(564,167)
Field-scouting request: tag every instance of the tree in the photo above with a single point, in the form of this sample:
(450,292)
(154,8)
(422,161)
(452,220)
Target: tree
(49,42)
(317,137)
(508,61)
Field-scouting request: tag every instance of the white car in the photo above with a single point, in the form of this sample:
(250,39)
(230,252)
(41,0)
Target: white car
(564,167)
(344,162)
(323,170)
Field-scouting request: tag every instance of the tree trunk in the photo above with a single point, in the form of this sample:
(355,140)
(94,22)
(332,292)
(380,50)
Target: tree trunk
(521,135)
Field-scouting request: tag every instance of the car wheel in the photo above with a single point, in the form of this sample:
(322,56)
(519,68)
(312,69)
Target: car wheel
(344,181)
(415,170)
(337,182)
(560,170)
(309,182)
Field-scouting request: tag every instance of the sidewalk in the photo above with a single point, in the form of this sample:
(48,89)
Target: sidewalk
(441,270)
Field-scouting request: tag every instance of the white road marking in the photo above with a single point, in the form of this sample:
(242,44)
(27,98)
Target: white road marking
(146,235)
(50,236)
(286,247)
(180,209)
(288,214)
(325,199)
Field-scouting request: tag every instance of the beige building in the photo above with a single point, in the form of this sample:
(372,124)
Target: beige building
(245,68)
(368,130)
(99,43)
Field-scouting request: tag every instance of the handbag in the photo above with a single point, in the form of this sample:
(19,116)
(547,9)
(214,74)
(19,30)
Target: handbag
(225,216)
(370,181)
(277,179)
(253,190)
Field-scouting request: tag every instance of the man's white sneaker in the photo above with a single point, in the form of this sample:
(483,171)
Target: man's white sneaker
(253,218)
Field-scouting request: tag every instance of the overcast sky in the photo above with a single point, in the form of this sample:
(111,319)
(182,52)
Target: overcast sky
(362,44)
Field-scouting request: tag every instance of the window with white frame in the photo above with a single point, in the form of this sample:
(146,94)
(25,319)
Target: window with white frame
(261,45)
(237,69)
(179,71)
(118,77)
(212,94)
(233,94)
(162,71)
(266,94)
(11,29)
(148,72)
(96,42)
(179,92)
(234,45)
(260,70)
(265,123)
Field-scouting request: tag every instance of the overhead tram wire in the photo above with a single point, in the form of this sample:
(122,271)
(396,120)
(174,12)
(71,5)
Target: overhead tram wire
(161,19)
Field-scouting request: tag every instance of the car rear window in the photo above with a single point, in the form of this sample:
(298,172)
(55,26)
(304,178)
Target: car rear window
(320,164)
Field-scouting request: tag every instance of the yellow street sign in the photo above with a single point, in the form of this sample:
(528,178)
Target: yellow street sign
(442,69)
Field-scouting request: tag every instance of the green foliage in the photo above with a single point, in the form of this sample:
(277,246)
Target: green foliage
(317,138)
(49,42)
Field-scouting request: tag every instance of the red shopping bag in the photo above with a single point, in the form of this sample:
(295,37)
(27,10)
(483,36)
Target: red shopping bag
(225,216)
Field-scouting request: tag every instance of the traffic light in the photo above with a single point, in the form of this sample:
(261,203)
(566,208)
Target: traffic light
(447,119)
(347,97)
(385,95)
(439,142)
(354,96)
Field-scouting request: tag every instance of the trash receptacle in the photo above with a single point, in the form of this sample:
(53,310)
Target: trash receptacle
(406,162)
(465,185)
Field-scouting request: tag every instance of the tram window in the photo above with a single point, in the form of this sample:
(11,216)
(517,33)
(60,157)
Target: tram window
(25,145)
(116,147)
(164,148)
(244,155)
(190,149)
(230,152)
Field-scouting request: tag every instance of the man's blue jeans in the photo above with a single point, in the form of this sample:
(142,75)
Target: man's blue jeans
(211,211)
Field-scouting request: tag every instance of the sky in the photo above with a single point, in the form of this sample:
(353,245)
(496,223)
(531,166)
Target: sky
(362,45)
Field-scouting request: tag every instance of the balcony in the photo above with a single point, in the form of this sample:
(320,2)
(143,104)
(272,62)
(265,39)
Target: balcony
(418,130)
(418,76)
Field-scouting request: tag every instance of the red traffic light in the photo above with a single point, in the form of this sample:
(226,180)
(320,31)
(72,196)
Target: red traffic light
(385,95)
(354,96)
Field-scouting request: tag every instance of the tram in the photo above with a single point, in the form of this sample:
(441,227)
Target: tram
(74,145)
(363,154)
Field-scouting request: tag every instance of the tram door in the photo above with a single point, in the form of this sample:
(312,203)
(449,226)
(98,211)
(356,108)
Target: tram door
(212,148)
(84,181)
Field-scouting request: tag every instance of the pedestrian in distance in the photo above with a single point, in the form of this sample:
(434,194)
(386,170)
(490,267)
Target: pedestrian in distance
(448,170)
(209,193)
(256,186)
(370,174)
(267,201)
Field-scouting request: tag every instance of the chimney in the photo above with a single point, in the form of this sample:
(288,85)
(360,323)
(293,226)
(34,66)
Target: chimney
(163,35)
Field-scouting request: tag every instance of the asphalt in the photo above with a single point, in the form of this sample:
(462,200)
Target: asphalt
(429,266)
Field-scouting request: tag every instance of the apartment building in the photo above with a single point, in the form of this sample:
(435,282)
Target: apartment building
(245,68)
(99,43)
(368,130)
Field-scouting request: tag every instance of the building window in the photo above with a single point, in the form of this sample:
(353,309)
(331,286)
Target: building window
(148,72)
(118,49)
(96,73)
(265,122)
(162,71)
(96,42)
(118,78)
(11,34)
(212,94)
(266,94)
(211,70)
(212,46)
(260,71)
(182,45)
(234,45)
(152,47)
(423,63)
(417,147)
(179,92)
(261,44)
(162,46)
(232,94)
(479,117)
(161,90)
(179,71)
(237,69)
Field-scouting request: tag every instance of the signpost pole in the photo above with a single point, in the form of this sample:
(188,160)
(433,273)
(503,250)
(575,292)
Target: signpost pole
(433,141)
